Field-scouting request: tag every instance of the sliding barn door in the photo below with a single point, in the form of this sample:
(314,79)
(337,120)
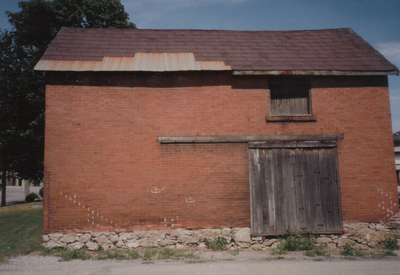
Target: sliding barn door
(294,187)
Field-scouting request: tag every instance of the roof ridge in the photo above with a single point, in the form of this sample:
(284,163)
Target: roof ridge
(208,30)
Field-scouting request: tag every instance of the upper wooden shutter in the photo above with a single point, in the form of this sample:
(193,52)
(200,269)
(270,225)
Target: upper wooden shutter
(290,97)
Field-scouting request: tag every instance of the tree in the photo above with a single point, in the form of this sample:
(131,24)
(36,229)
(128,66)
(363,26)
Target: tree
(21,105)
(38,21)
(22,89)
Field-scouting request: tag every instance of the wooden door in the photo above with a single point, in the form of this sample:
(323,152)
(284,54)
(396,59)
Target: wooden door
(294,187)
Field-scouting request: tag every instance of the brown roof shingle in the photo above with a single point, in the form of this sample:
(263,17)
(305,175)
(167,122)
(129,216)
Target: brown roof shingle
(340,50)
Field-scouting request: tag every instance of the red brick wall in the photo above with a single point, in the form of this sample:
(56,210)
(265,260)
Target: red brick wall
(104,168)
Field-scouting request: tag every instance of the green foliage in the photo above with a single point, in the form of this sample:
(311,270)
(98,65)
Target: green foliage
(294,243)
(298,243)
(31,197)
(20,230)
(390,243)
(38,21)
(279,250)
(218,243)
(349,250)
(22,104)
(68,254)
(148,254)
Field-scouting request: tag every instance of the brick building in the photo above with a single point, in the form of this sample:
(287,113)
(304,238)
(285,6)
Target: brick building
(155,129)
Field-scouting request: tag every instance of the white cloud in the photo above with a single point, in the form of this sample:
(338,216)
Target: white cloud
(391,50)
(146,12)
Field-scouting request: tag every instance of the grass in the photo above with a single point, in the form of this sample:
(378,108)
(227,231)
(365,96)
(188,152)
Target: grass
(150,254)
(216,244)
(349,250)
(294,243)
(390,243)
(67,254)
(20,230)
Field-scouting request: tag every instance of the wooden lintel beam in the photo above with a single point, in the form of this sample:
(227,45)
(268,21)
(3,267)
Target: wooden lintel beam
(244,138)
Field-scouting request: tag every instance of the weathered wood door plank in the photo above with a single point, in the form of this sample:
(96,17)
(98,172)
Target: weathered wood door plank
(294,190)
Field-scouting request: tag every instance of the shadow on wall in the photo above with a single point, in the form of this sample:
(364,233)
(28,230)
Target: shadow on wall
(191,79)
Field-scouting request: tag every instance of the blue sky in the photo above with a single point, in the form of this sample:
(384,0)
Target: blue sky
(376,20)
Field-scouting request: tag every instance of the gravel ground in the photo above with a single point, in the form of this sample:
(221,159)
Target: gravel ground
(33,265)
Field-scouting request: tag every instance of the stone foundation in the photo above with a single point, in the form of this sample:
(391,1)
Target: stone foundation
(362,236)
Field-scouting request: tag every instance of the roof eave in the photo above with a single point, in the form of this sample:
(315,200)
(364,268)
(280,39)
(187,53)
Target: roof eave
(313,72)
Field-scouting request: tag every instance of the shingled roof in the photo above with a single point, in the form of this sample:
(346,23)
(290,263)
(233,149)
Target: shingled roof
(328,51)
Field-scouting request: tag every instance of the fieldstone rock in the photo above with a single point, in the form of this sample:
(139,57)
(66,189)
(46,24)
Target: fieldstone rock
(323,240)
(113,238)
(360,246)
(139,234)
(361,236)
(120,244)
(331,246)
(257,247)
(126,236)
(381,227)
(342,242)
(270,242)
(52,244)
(209,233)
(107,246)
(102,240)
(68,238)
(166,242)
(275,244)
(181,233)
(227,233)
(186,236)
(147,242)
(180,246)
(242,235)
(190,239)
(76,245)
(55,236)
(97,234)
(243,245)
(257,239)
(92,246)
(83,238)
(132,244)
